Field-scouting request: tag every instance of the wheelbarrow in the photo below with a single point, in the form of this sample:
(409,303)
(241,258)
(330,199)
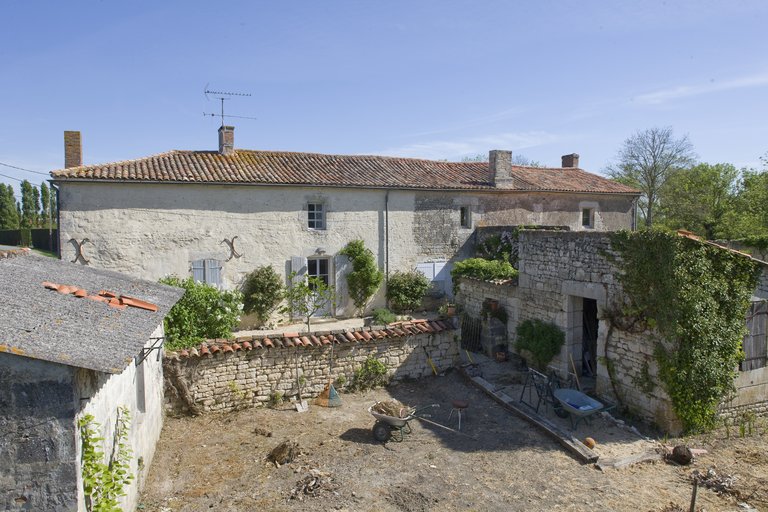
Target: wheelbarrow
(577,405)
(391,427)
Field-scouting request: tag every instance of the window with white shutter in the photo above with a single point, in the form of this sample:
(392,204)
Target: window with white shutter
(207,271)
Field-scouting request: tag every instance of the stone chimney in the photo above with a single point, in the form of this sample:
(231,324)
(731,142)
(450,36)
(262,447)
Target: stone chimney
(226,140)
(73,150)
(500,168)
(571,160)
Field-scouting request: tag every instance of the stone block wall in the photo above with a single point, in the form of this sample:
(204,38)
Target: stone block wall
(237,379)
(38,460)
(557,271)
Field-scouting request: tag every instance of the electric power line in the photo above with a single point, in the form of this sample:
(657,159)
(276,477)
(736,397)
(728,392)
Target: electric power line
(23,169)
(19,180)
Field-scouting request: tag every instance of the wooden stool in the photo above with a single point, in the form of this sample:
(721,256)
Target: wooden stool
(459,407)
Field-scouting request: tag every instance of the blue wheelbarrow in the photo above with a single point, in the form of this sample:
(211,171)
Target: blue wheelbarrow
(578,405)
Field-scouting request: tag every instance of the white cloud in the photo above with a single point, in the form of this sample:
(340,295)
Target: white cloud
(686,91)
(455,149)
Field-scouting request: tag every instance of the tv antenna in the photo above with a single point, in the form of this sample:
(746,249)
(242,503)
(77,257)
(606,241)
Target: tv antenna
(222,95)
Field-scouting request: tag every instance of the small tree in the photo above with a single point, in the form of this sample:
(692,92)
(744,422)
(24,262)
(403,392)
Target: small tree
(262,292)
(305,297)
(542,339)
(365,277)
(405,290)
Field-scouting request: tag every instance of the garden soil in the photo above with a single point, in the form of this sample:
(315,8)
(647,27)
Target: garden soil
(499,462)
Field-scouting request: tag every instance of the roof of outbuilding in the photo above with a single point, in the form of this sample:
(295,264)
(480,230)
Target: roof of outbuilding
(42,324)
(367,171)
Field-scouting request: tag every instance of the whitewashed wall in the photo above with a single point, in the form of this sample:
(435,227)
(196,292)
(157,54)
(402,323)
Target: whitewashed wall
(152,230)
(102,395)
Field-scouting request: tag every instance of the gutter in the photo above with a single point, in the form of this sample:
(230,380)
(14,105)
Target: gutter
(364,187)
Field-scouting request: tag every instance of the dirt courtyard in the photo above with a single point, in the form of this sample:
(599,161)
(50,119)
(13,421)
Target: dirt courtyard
(499,462)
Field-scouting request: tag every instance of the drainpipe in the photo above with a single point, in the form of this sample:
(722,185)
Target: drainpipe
(58,218)
(386,238)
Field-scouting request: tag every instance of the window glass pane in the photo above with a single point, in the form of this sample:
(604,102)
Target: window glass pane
(586,217)
(315,216)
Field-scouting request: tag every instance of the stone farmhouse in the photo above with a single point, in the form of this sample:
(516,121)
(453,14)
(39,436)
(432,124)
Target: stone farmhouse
(63,356)
(217,215)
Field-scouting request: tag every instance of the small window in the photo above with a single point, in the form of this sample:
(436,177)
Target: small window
(315,216)
(465,215)
(588,218)
(207,271)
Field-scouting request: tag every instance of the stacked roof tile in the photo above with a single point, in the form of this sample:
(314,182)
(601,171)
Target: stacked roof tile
(366,171)
(319,339)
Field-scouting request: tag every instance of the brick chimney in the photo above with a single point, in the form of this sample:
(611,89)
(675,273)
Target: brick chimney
(226,140)
(571,160)
(73,150)
(500,168)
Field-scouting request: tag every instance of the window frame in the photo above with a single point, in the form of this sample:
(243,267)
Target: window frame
(590,213)
(465,217)
(317,216)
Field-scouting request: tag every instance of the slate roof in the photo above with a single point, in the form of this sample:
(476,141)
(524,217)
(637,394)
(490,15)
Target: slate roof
(288,168)
(318,339)
(42,324)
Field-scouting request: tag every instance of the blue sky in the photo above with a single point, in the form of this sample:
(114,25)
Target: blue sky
(434,79)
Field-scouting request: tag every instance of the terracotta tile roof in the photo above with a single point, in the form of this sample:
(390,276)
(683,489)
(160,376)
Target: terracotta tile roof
(361,335)
(367,171)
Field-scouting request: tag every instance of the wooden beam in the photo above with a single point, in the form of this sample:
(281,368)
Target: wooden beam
(566,440)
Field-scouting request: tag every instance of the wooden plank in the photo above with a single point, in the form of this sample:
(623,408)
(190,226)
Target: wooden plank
(566,440)
(626,461)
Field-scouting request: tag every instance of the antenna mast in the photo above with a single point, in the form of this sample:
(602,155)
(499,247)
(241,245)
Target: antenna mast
(221,96)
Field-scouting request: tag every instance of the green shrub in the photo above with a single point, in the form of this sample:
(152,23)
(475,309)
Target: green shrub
(406,289)
(479,268)
(383,316)
(262,292)
(372,374)
(365,277)
(203,312)
(542,340)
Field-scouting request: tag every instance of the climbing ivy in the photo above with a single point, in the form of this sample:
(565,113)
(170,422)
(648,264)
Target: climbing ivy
(104,482)
(696,296)
(365,277)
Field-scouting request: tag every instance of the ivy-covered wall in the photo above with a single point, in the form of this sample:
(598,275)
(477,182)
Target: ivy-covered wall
(557,271)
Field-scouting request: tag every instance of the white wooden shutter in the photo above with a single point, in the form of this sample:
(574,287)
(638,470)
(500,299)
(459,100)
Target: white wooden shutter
(213,273)
(299,271)
(198,271)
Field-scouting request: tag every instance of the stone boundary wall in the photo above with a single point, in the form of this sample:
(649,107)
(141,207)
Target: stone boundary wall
(234,379)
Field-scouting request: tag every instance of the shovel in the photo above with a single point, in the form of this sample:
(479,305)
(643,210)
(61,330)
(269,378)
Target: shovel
(301,404)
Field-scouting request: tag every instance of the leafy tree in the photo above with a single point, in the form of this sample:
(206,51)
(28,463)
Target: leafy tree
(646,160)
(262,292)
(203,312)
(699,199)
(45,196)
(749,216)
(365,277)
(305,297)
(30,205)
(9,217)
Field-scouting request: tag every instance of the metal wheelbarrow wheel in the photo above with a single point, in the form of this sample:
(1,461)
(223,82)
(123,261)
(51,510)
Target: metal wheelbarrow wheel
(382,431)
